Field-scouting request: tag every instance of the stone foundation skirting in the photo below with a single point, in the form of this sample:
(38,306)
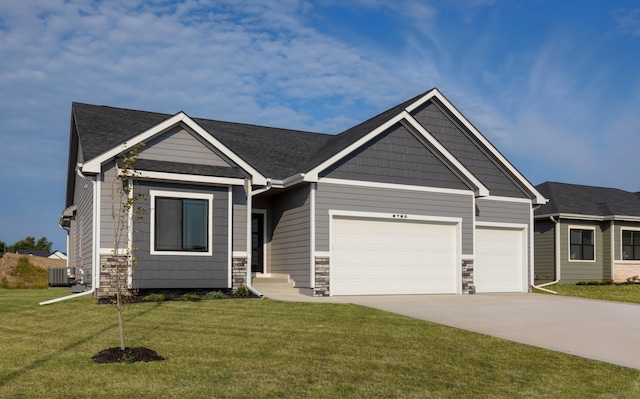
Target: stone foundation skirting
(108,286)
(322,277)
(468,286)
(238,272)
(622,271)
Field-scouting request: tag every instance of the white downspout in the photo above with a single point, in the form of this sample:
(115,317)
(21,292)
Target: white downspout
(556,259)
(250,195)
(94,272)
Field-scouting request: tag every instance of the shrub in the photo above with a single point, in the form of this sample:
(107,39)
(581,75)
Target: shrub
(190,297)
(215,295)
(154,298)
(27,275)
(633,280)
(242,291)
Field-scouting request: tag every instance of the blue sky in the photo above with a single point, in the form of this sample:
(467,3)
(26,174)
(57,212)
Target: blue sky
(555,86)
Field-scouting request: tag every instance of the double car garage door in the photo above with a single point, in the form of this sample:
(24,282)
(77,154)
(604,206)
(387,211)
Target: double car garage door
(381,256)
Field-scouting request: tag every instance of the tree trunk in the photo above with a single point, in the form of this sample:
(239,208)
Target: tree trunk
(119,305)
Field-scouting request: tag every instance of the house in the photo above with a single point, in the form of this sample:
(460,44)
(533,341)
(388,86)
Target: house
(57,255)
(414,200)
(34,252)
(586,234)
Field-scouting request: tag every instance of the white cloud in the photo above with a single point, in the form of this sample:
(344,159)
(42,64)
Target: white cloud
(628,21)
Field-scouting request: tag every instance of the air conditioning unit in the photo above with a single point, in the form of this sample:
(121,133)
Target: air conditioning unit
(58,277)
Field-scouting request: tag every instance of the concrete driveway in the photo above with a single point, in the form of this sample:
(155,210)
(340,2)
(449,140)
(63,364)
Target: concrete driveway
(600,330)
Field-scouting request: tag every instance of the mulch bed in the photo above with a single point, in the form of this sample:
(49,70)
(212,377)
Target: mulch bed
(128,355)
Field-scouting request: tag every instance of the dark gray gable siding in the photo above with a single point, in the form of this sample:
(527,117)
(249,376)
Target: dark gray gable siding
(180,145)
(466,150)
(384,200)
(396,156)
(178,271)
(291,235)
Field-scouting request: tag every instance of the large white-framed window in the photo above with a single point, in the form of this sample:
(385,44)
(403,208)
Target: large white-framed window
(582,243)
(181,223)
(630,244)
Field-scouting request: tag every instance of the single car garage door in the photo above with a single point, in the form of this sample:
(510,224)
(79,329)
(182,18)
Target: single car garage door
(378,256)
(499,261)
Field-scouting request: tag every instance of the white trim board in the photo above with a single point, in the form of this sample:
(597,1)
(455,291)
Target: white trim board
(392,186)
(184,195)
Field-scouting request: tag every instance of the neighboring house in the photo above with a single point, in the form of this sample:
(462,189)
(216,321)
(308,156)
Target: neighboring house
(412,201)
(34,252)
(586,234)
(57,255)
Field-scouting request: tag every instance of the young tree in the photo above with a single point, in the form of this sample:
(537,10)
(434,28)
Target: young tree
(124,211)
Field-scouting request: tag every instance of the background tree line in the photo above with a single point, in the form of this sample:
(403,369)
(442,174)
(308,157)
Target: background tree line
(27,243)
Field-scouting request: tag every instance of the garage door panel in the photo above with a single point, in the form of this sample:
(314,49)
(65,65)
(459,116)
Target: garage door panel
(392,257)
(499,262)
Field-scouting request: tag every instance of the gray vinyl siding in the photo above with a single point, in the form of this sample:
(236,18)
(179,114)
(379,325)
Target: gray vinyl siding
(467,150)
(385,200)
(179,145)
(544,251)
(396,156)
(290,248)
(183,271)
(502,211)
(239,218)
(81,229)
(108,191)
(576,271)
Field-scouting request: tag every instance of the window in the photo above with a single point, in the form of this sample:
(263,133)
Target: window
(582,247)
(630,245)
(180,223)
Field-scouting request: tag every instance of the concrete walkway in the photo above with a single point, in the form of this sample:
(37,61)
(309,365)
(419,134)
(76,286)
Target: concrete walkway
(600,330)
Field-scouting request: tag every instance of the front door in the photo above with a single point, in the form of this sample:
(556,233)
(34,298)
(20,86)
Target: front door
(257,243)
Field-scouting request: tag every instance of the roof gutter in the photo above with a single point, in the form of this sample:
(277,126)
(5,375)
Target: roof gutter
(556,260)
(94,274)
(250,195)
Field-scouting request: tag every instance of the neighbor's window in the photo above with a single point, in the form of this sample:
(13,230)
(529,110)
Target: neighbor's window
(582,244)
(630,245)
(181,224)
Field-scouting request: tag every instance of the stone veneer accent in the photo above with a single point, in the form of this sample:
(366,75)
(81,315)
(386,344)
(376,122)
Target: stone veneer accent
(624,270)
(322,277)
(467,277)
(238,272)
(107,284)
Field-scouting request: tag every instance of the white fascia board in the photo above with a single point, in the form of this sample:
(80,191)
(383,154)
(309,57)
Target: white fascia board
(223,181)
(178,177)
(576,216)
(93,166)
(538,199)
(507,199)
(413,125)
(312,175)
(392,186)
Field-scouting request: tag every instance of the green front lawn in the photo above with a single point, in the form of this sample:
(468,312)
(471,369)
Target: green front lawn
(256,348)
(619,293)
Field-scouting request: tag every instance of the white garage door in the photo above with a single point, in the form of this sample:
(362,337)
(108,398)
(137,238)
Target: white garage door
(373,256)
(499,260)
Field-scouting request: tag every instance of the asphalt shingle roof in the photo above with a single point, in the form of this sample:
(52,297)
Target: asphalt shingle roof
(587,200)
